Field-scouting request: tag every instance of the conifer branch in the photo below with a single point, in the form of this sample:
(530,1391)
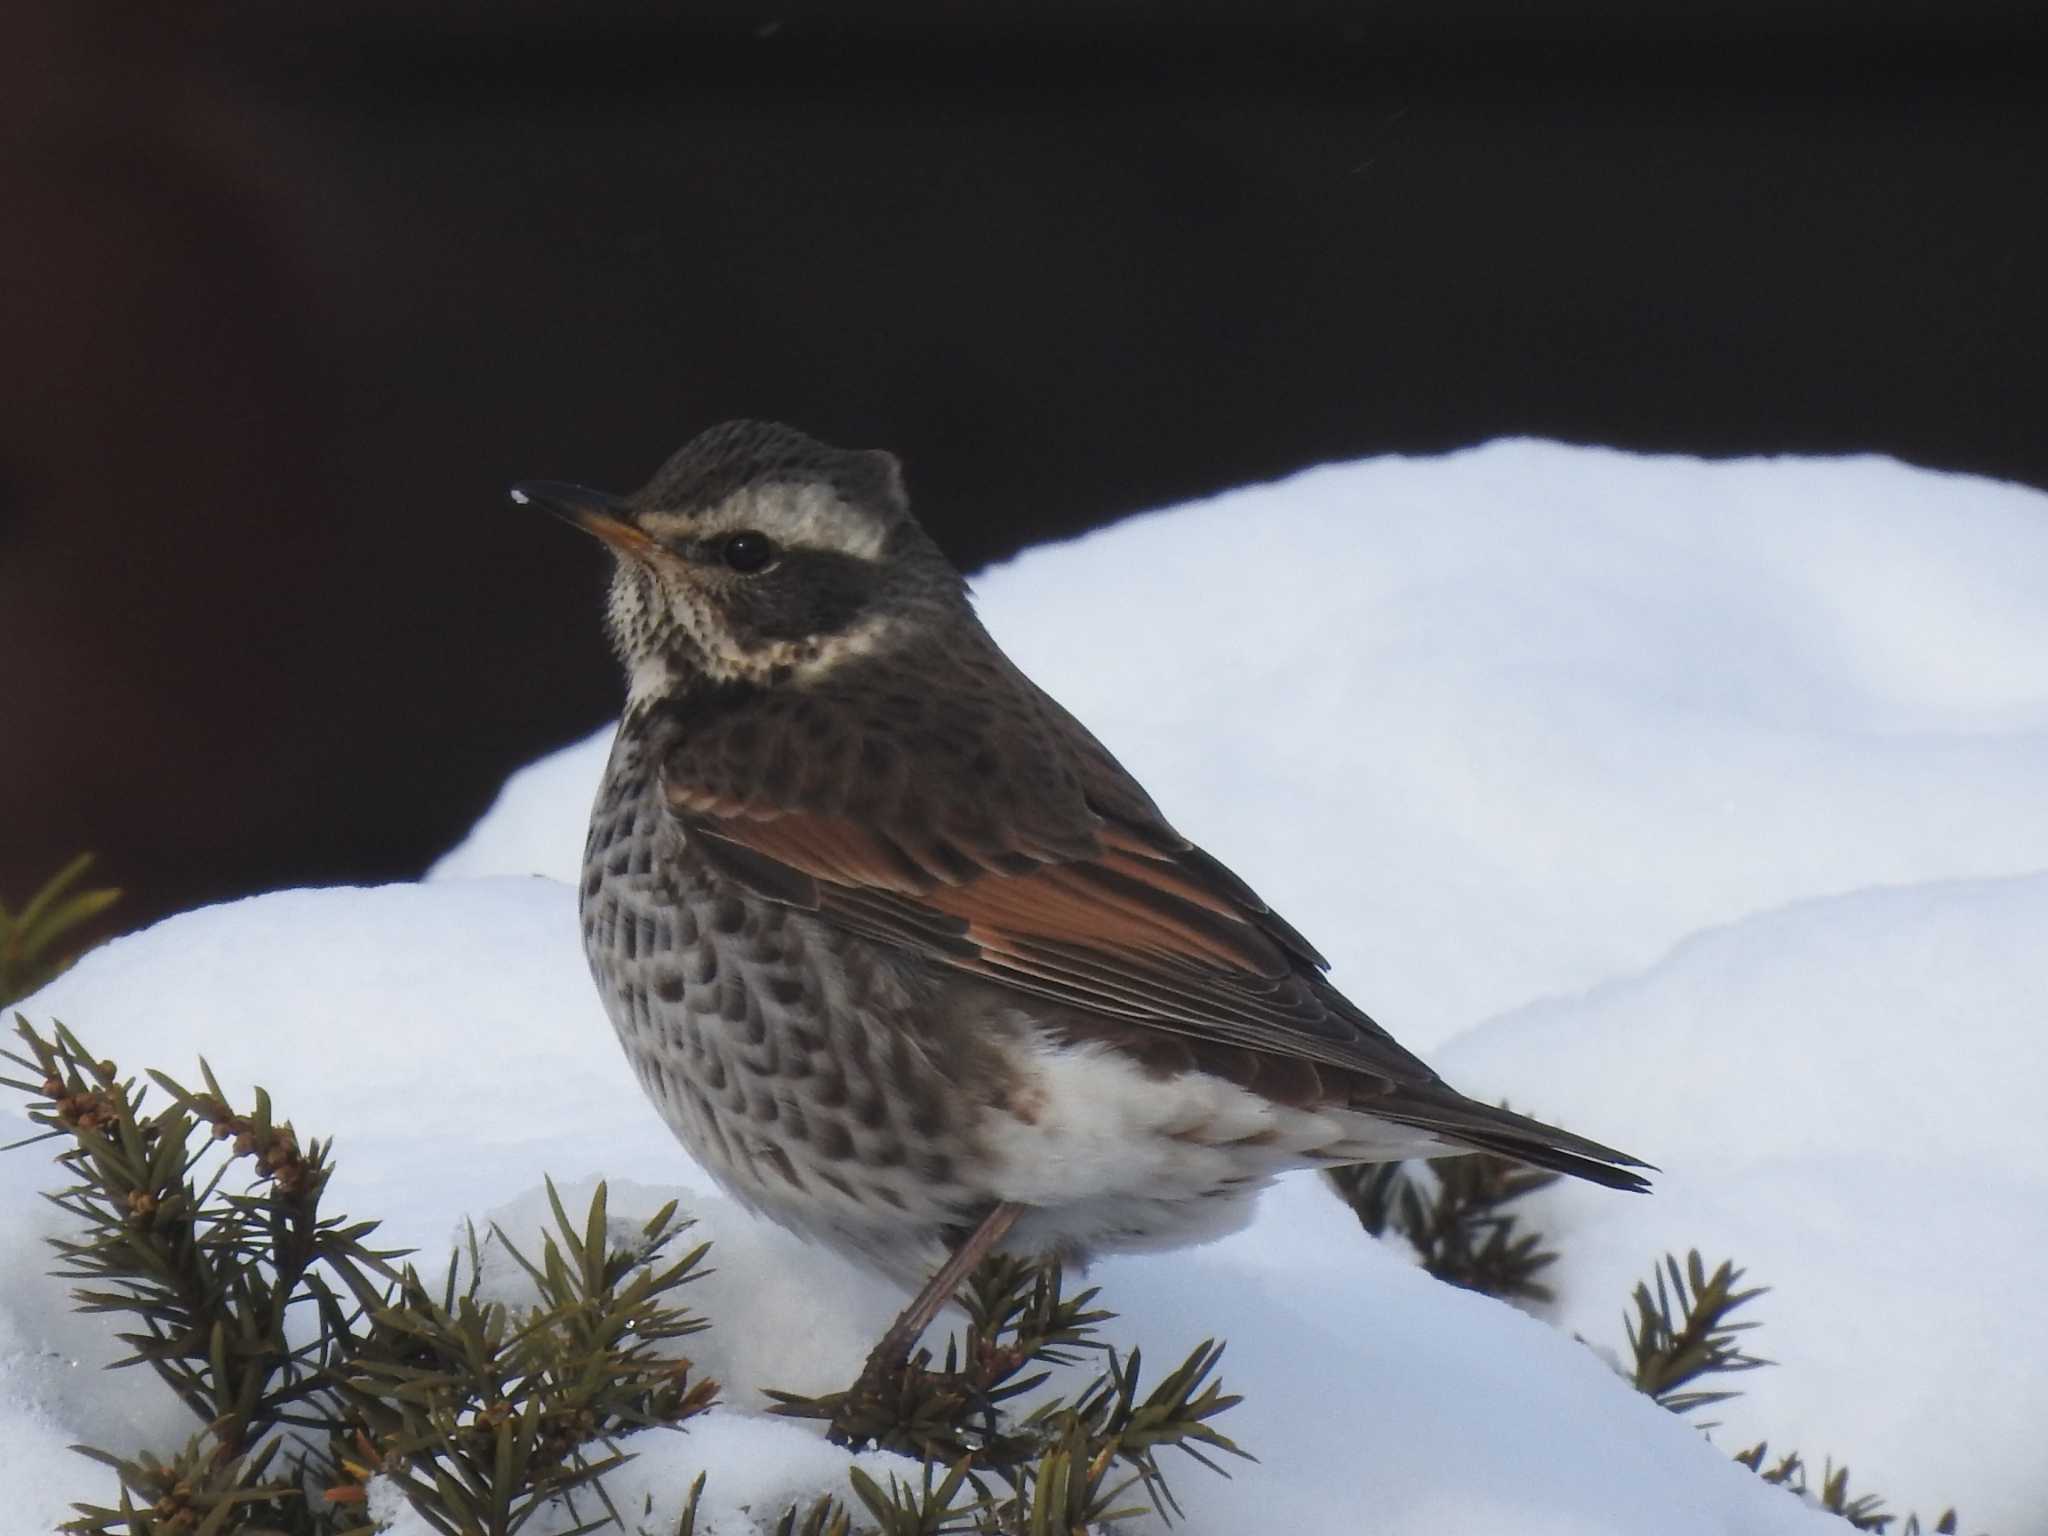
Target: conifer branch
(1681,1331)
(480,1412)
(1454,1211)
(41,940)
(1680,1334)
(1864,1512)
(207,1276)
(1068,1464)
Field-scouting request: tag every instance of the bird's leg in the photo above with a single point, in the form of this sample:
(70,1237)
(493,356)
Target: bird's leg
(886,1361)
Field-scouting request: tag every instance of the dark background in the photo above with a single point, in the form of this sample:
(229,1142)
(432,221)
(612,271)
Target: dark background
(288,302)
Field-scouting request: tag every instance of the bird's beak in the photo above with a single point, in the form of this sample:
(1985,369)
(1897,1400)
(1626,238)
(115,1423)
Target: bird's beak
(610,518)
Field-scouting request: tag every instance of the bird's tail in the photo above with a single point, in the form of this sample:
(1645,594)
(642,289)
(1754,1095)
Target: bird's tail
(1467,1123)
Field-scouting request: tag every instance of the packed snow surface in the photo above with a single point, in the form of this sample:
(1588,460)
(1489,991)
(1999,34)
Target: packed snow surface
(1697,806)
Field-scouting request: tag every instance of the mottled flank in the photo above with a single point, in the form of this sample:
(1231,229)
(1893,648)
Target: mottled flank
(890,939)
(821,1116)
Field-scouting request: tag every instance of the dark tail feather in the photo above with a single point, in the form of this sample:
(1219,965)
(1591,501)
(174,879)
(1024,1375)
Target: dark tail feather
(1483,1128)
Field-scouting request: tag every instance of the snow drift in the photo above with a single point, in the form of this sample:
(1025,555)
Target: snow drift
(1696,806)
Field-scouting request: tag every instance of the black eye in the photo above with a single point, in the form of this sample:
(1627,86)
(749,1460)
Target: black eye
(747,551)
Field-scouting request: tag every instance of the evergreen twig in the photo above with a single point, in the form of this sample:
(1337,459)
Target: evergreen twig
(1018,1317)
(480,1412)
(1681,1332)
(40,941)
(1064,1467)
(207,1276)
(202,1491)
(1864,1512)
(1454,1212)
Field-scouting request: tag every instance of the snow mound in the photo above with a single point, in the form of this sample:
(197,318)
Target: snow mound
(1512,721)
(442,1034)
(525,832)
(1696,806)
(1844,1096)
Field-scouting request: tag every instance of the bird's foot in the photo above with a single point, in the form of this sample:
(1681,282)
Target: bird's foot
(898,1403)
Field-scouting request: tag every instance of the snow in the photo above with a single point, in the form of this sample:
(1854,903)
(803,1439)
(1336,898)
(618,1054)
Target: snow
(1694,805)
(532,828)
(1517,720)
(1848,1104)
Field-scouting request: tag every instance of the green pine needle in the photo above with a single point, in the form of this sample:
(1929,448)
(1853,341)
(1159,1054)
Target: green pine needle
(1456,1213)
(1681,1332)
(40,941)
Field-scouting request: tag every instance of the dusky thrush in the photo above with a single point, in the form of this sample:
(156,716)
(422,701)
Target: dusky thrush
(902,955)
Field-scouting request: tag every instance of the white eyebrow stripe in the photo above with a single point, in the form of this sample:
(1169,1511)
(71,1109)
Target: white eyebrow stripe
(797,515)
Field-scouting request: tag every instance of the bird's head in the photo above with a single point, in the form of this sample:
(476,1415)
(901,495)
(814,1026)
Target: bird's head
(759,555)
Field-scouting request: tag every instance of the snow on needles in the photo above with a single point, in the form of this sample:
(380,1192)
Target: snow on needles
(1697,806)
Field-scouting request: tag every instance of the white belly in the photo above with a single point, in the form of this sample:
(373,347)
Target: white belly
(1111,1158)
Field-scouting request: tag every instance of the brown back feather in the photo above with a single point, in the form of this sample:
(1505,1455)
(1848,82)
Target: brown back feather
(967,818)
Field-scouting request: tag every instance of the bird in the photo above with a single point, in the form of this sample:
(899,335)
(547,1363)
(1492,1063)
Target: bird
(903,956)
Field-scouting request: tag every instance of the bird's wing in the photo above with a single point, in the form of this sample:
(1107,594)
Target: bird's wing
(965,816)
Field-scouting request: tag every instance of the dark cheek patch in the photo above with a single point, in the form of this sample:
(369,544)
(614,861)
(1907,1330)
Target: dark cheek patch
(809,592)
